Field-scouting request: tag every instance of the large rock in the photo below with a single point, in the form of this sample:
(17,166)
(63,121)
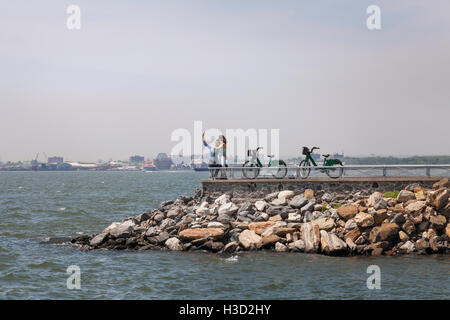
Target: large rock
(274,210)
(174,212)
(399,219)
(353,234)
(347,212)
(123,230)
(259,227)
(246,207)
(168,222)
(174,244)
(364,220)
(409,227)
(98,239)
(215,224)
(326,224)
(300,245)
(408,247)
(439,198)
(279,247)
(415,206)
(261,205)
(405,196)
(311,237)
(225,198)
(308,207)
(270,239)
(228,208)
(286,194)
(438,222)
(385,232)
(327,197)
(201,233)
(374,197)
(278,202)
(250,240)
(380,204)
(331,244)
(298,201)
(379,216)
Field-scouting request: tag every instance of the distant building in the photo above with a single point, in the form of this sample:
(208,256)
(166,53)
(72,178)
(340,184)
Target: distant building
(137,159)
(55,160)
(162,161)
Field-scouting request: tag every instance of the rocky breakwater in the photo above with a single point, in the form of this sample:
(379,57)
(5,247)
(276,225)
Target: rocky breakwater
(414,220)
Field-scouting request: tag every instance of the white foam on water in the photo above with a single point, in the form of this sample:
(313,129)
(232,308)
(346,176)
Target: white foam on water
(232,259)
(62,209)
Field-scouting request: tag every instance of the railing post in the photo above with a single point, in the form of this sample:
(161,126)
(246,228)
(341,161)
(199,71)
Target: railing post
(427,171)
(384,172)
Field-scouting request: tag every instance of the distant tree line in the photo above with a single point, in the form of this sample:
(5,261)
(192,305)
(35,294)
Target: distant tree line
(394,160)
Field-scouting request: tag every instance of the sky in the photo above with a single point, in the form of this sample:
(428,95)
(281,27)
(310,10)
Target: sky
(137,71)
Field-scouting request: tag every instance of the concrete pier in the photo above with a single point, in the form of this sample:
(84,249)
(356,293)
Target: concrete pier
(256,187)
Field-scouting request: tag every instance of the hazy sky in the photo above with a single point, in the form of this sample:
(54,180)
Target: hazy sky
(137,70)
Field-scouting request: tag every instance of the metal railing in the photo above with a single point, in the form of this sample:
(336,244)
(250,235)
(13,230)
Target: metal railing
(236,172)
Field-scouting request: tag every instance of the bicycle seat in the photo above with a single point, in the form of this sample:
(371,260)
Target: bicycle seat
(325,155)
(270,155)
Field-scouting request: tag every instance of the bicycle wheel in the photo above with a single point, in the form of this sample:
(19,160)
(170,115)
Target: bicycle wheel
(336,171)
(282,170)
(251,171)
(303,169)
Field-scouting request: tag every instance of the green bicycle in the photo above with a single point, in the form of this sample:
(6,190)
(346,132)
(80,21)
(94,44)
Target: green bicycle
(252,167)
(336,167)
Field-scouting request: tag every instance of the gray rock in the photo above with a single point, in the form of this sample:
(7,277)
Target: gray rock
(228,208)
(224,218)
(261,205)
(167,223)
(380,204)
(151,232)
(274,210)
(327,197)
(298,201)
(308,207)
(246,207)
(123,230)
(271,196)
(286,194)
(215,224)
(159,217)
(162,237)
(350,225)
(311,237)
(331,244)
(98,239)
(174,244)
(279,247)
(399,219)
(225,198)
(408,247)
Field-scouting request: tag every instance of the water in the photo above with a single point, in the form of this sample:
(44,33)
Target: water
(36,205)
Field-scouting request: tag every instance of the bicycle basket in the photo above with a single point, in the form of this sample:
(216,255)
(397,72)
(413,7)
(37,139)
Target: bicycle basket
(305,151)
